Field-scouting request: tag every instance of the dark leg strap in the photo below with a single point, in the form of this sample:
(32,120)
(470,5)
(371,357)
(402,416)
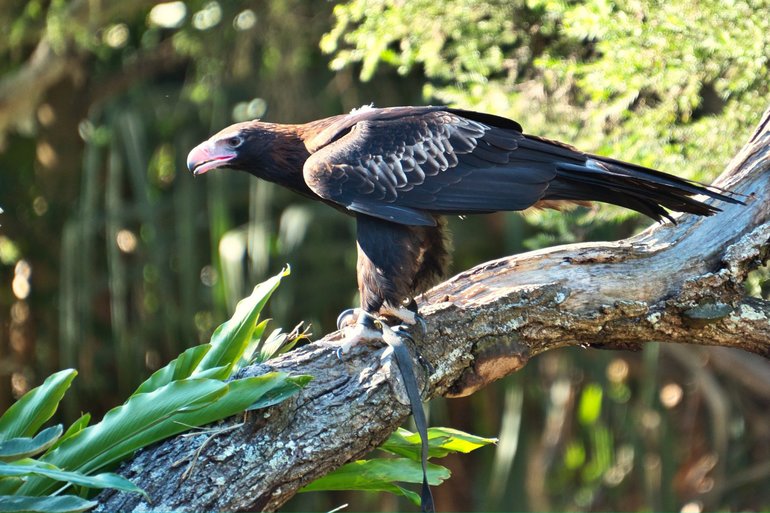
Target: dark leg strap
(405,366)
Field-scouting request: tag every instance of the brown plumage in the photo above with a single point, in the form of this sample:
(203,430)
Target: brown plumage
(399,170)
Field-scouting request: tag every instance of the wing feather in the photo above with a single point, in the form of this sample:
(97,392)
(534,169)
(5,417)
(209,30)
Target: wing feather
(407,167)
(408,164)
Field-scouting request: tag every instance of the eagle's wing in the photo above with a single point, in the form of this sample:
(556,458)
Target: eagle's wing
(405,164)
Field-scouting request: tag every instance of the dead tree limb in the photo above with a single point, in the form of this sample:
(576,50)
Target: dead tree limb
(680,283)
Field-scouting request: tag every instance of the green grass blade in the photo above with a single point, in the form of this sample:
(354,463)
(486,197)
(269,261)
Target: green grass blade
(26,415)
(18,448)
(63,504)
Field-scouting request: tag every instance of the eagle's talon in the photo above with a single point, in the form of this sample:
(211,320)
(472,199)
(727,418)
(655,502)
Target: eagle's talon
(422,325)
(403,332)
(358,326)
(347,317)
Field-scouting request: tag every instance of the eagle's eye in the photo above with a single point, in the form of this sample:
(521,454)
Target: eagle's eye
(377,324)
(234,141)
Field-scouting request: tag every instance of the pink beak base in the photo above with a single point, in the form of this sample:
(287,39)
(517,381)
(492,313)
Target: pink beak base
(202,159)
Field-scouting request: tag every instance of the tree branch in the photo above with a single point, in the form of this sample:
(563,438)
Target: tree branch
(678,283)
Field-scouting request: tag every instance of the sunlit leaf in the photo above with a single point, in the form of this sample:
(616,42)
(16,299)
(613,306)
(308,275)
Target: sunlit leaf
(179,368)
(257,341)
(34,408)
(232,338)
(278,342)
(142,420)
(169,410)
(442,441)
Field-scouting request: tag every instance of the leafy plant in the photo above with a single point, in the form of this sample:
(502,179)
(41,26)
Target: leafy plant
(38,469)
(382,474)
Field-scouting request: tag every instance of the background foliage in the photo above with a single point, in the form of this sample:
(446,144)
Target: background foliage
(113,259)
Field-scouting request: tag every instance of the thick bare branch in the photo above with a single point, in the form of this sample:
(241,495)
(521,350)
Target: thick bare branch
(678,283)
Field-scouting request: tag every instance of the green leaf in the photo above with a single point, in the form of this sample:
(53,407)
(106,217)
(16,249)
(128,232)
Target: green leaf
(281,391)
(29,467)
(26,415)
(63,504)
(231,339)
(240,395)
(17,448)
(441,441)
(75,428)
(179,368)
(379,474)
(142,420)
(222,373)
(9,485)
(278,343)
(148,418)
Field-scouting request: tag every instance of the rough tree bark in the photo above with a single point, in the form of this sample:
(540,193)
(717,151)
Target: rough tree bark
(678,283)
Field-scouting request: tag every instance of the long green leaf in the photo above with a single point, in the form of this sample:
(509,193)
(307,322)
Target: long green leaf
(75,428)
(29,467)
(441,441)
(379,474)
(26,415)
(281,391)
(179,368)
(240,395)
(222,372)
(231,339)
(63,504)
(148,418)
(373,487)
(139,422)
(254,345)
(18,448)
(9,485)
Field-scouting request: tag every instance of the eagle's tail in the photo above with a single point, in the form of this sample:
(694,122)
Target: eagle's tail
(645,190)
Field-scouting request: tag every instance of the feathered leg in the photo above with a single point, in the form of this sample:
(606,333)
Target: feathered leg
(395,262)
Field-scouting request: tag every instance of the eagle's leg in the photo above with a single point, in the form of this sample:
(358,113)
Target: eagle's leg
(395,262)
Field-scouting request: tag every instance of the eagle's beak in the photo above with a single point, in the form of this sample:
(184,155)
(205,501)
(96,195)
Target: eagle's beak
(207,156)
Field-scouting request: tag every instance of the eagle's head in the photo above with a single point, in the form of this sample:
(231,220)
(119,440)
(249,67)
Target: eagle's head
(241,146)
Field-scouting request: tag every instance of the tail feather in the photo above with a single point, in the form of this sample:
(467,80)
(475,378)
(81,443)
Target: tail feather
(644,190)
(585,177)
